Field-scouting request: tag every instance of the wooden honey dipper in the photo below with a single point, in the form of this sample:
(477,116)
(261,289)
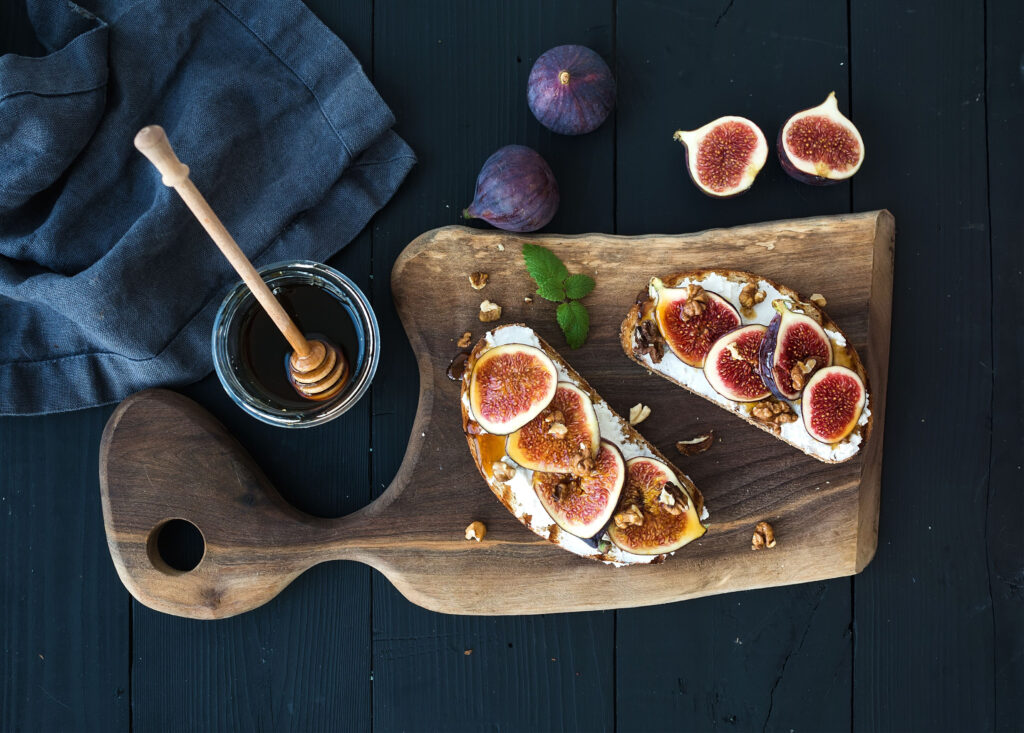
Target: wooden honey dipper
(317,369)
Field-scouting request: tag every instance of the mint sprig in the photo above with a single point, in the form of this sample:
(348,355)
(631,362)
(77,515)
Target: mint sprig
(554,283)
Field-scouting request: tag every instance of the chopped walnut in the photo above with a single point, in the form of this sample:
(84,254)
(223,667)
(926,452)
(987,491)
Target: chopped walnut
(638,413)
(696,302)
(476,531)
(649,341)
(501,471)
(668,501)
(818,299)
(478,279)
(527,299)
(553,416)
(489,311)
(629,516)
(764,537)
(465,340)
(798,374)
(750,295)
(774,412)
(693,446)
(583,462)
(558,430)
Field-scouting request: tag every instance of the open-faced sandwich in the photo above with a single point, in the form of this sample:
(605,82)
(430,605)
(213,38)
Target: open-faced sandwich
(564,463)
(757,349)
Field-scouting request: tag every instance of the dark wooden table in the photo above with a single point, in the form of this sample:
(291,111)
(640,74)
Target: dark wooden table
(929,637)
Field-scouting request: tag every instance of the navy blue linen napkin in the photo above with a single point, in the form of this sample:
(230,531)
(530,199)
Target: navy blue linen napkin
(107,283)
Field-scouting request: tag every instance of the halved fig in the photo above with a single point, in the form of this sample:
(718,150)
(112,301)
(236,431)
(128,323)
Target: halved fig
(691,319)
(655,514)
(563,438)
(582,505)
(724,156)
(820,145)
(510,385)
(832,403)
(731,366)
(793,348)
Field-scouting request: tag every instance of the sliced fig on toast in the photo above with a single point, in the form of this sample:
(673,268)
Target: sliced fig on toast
(793,348)
(691,319)
(510,386)
(563,438)
(582,505)
(655,513)
(731,366)
(832,403)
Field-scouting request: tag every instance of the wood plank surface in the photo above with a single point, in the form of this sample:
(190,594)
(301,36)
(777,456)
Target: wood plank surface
(1004,541)
(757,657)
(455,74)
(931,562)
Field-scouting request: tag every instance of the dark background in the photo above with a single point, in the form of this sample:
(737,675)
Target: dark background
(929,637)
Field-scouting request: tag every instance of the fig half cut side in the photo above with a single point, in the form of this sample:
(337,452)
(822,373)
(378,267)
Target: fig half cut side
(792,341)
(509,387)
(582,505)
(562,435)
(690,336)
(832,403)
(662,526)
(724,156)
(731,366)
(820,145)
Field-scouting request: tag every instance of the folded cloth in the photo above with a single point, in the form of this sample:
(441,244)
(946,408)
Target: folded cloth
(107,283)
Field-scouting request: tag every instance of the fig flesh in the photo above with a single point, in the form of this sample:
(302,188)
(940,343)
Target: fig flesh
(570,90)
(510,386)
(731,366)
(582,505)
(690,332)
(724,156)
(832,403)
(793,341)
(820,145)
(562,438)
(515,191)
(655,514)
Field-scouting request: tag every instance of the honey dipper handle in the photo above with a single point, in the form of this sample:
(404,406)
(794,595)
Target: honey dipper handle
(152,142)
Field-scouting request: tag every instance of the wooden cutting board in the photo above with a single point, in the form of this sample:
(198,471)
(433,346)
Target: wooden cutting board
(163,457)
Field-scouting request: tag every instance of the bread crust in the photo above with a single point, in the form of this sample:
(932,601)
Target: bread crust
(633,318)
(632,435)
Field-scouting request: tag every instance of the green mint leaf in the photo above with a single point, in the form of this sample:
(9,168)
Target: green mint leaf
(546,270)
(578,286)
(575,322)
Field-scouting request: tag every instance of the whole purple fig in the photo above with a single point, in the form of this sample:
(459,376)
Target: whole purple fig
(515,191)
(571,90)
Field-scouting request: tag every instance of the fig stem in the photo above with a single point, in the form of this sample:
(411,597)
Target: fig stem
(563,76)
(466,214)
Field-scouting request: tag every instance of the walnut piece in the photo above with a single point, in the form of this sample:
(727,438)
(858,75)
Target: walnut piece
(798,374)
(583,462)
(502,472)
(638,413)
(527,299)
(476,531)
(750,295)
(773,411)
(558,430)
(693,446)
(478,279)
(764,537)
(818,299)
(668,501)
(649,341)
(465,340)
(629,516)
(489,311)
(696,302)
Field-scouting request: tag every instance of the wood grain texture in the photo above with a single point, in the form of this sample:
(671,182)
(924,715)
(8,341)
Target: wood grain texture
(1004,540)
(932,559)
(163,457)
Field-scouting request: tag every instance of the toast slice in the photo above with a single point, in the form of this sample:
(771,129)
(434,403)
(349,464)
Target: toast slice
(517,493)
(643,342)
